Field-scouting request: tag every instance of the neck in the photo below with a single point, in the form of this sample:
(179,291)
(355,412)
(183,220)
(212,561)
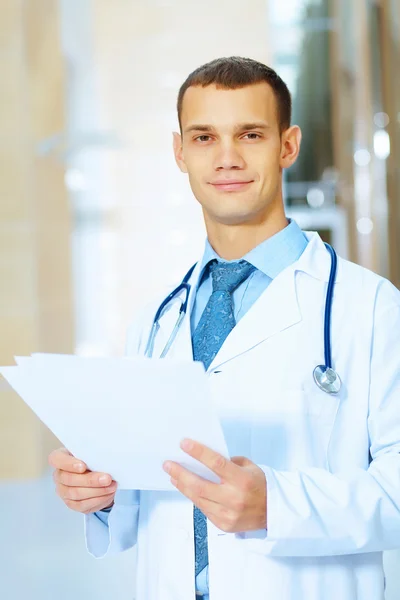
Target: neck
(232,242)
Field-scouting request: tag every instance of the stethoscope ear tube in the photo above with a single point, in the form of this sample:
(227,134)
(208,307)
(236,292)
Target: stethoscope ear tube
(174,333)
(150,342)
(182,312)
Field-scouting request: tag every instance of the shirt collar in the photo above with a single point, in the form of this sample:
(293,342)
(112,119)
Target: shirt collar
(271,256)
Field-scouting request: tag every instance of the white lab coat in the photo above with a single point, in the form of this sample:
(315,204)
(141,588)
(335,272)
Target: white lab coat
(332,464)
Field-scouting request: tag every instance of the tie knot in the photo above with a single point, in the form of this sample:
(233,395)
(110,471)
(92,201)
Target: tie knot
(226,277)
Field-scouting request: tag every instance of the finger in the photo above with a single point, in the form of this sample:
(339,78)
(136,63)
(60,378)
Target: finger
(192,485)
(79,494)
(220,465)
(63,459)
(91,505)
(206,505)
(224,519)
(88,479)
(219,514)
(241,461)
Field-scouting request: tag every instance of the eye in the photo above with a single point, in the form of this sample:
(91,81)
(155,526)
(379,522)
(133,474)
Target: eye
(200,138)
(257,135)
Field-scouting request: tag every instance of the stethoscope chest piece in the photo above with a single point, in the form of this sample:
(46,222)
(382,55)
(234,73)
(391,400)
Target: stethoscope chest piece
(327,379)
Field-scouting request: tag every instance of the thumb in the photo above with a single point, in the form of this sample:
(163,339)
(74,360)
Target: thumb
(65,451)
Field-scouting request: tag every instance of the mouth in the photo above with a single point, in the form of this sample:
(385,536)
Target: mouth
(230,186)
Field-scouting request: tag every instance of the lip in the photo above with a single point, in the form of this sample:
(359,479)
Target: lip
(230,185)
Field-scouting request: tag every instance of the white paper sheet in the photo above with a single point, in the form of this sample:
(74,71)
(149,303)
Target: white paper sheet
(122,416)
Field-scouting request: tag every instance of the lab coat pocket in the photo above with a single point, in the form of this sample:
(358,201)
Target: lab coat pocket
(293,432)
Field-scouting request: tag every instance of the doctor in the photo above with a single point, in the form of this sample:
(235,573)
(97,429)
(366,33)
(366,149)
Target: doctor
(311,498)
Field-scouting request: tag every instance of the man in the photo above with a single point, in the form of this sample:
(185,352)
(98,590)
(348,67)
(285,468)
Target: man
(312,497)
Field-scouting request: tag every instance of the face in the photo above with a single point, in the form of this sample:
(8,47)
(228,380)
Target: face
(233,152)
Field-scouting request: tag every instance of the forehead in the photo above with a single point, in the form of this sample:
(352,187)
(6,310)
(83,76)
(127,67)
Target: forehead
(219,106)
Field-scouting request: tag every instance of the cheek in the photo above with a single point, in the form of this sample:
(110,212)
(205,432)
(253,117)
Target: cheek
(197,159)
(270,172)
(198,168)
(194,181)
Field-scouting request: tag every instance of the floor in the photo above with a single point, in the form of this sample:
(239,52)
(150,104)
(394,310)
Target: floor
(43,554)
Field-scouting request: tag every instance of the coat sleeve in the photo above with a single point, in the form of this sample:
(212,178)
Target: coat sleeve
(116,531)
(314,512)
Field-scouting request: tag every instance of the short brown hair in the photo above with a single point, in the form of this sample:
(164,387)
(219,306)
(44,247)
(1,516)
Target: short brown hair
(237,72)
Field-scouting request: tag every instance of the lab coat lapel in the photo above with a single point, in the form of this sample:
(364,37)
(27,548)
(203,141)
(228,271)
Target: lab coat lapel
(277,308)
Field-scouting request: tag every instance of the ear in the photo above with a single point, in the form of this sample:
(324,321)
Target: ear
(178,151)
(290,148)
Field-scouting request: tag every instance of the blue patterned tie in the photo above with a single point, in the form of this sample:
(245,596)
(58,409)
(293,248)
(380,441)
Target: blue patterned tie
(216,322)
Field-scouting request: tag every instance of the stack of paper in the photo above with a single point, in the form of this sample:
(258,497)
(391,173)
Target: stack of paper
(122,416)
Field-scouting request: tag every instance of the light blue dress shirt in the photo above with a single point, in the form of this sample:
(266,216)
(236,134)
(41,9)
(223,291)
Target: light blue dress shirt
(270,258)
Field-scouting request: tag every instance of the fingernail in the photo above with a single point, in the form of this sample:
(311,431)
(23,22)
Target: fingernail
(104,480)
(79,467)
(186,444)
(167,467)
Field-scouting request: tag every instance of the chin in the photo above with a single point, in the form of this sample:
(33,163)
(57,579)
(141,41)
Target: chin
(233,218)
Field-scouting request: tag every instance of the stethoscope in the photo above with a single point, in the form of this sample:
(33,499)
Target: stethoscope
(325,376)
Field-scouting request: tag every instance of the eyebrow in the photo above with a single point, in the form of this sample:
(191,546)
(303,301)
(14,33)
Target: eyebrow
(238,128)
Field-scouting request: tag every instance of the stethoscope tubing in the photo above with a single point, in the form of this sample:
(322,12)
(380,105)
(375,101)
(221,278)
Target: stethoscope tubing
(328,308)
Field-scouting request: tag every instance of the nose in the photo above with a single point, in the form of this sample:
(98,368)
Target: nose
(228,157)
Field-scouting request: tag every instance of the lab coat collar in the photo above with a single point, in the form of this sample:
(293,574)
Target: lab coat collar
(316,260)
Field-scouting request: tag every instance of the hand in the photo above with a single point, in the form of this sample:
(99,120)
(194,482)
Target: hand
(81,489)
(238,503)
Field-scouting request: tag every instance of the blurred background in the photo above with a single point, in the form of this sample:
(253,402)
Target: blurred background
(88,183)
